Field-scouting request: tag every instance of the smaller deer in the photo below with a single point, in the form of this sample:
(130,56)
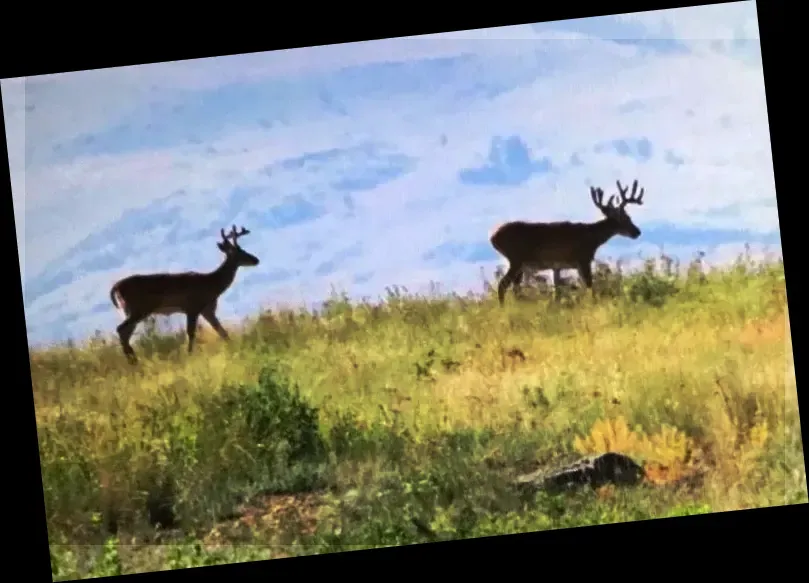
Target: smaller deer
(191,293)
(563,244)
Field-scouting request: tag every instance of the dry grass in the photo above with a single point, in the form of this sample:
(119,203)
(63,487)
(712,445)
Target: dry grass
(702,385)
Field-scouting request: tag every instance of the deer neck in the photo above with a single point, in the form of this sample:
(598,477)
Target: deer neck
(224,275)
(602,231)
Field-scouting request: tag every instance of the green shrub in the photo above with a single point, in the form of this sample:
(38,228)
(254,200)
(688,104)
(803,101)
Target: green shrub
(351,438)
(268,432)
(653,285)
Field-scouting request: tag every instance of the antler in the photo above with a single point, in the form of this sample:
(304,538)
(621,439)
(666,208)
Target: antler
(233,235)
(597,194)
(632,198)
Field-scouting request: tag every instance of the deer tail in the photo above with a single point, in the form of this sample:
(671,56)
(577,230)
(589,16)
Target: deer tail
(495,234)
(113,293)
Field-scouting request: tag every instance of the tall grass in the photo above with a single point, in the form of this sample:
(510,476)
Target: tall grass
(404,421)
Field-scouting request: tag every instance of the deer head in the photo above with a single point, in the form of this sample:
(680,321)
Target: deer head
(230,247)
(616,213)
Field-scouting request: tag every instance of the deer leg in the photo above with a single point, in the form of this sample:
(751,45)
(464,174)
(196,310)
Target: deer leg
(191,329)
(517,283)
(586,273)
(125,330)
(210,317)
(557,281)
(507,280)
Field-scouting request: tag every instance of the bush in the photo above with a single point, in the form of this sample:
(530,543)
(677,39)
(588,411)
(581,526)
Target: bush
(652,285)
(174,463)
(269,433)
(352,438)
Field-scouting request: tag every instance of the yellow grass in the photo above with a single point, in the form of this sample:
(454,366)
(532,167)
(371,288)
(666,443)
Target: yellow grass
(703,384)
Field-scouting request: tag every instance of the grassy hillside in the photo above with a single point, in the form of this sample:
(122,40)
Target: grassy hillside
(404,422)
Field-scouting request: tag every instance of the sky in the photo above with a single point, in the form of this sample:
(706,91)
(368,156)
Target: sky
(366,165)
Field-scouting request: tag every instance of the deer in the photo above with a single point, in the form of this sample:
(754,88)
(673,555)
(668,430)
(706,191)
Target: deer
(563,244)
(191,293)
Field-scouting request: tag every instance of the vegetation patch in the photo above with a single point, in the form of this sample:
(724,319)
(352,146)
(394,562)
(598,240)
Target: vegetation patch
(408,420)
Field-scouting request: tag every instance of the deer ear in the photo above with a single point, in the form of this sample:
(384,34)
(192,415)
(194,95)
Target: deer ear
(222,247)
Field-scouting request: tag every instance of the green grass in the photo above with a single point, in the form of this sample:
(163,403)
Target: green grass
(404,422)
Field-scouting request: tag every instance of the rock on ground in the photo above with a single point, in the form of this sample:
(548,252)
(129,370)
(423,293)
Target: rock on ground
(608,468)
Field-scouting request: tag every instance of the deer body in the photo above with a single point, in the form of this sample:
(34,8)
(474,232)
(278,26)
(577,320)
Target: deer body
(191,293)
(171,293)
(562,245)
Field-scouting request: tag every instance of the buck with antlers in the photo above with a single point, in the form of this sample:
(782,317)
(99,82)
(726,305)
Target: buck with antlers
(564,244)
(191,293)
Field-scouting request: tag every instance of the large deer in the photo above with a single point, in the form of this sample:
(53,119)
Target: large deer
(564,244)
(191,293)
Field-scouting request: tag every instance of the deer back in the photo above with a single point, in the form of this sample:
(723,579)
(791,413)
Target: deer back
(166,292)
(558,242)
